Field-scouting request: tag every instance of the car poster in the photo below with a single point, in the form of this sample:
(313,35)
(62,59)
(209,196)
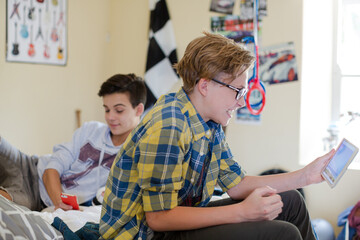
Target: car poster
(231,26)
(222,6)
(247,11)
(278,64)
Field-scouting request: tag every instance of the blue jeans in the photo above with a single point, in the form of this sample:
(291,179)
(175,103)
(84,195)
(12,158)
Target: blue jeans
(90,231)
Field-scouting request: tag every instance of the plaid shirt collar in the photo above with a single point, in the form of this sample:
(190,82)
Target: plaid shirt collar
(200,128)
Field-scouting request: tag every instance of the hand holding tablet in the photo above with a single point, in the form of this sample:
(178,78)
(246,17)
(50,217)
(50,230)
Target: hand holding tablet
(339,163)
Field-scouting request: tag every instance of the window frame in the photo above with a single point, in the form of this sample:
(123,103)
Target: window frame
(337,117)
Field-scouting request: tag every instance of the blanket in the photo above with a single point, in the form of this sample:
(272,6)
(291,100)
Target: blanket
(74,219)
(18,222)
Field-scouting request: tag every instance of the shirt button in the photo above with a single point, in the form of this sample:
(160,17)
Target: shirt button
(139,238)
(208,132)
(192,180)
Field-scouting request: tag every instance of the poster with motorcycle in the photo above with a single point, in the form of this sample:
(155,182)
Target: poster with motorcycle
(36,31)
(278,64)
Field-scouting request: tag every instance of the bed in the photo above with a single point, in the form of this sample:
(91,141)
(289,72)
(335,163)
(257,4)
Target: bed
(18,222)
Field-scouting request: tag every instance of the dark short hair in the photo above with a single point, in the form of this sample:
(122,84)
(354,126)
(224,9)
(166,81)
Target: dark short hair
(125,83)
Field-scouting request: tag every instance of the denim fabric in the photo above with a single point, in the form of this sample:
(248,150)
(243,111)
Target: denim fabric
(90,231)
(64,229)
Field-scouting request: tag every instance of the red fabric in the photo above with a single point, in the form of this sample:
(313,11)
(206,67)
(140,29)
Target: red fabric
(354,219)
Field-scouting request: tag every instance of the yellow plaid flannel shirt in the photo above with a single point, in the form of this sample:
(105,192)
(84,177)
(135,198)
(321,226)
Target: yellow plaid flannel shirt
(159,167)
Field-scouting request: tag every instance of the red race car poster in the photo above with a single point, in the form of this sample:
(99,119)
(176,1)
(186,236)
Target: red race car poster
(278,64)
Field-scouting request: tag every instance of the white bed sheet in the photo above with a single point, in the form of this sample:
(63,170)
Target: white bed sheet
(74,219)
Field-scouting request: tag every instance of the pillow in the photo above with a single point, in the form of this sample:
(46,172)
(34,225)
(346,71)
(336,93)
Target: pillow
(21,223)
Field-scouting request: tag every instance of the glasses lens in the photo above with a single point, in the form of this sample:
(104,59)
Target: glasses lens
(241,93)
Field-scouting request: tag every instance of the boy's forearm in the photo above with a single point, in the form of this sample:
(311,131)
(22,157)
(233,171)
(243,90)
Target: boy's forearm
(188,218)
(310,174)
(281,182)
(51,179)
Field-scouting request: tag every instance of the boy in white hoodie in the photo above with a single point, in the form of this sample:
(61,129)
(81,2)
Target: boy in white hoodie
(81,166)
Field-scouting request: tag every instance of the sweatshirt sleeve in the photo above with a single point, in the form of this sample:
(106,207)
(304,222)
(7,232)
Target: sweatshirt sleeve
(65,154)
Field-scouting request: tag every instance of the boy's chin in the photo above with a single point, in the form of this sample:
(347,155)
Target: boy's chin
(227,123)
(224,123)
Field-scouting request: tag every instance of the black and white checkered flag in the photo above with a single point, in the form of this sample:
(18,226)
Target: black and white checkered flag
(160,76)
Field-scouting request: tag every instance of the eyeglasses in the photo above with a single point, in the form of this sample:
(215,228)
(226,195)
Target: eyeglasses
(240,92)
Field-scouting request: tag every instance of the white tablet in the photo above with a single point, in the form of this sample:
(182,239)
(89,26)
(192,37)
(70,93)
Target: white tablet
(339,163)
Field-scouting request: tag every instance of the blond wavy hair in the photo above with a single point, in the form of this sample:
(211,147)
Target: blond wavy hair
(210,55)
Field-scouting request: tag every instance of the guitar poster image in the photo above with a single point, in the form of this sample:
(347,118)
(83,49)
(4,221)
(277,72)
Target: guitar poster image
(36,31)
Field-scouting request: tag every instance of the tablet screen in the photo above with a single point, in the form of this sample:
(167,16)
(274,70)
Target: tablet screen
(337,166)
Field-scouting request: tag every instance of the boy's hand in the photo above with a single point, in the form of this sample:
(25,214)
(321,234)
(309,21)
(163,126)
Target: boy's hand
(312,171)
(262,204)
(63,206)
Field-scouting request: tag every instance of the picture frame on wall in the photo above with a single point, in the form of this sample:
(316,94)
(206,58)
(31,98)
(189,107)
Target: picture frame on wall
(278,63)
(36,31)
(222,6)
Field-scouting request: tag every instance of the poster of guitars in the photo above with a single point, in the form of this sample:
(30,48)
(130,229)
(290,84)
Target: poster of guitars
(37,31)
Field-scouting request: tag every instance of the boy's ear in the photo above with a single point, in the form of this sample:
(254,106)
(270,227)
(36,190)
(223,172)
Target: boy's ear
(140,109)
(202,86)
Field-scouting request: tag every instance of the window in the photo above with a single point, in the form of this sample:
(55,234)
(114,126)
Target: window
(330,74)
(316,77)
(346,71)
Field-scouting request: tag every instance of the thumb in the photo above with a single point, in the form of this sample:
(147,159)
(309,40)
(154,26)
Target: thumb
(329,154)
(65,206)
